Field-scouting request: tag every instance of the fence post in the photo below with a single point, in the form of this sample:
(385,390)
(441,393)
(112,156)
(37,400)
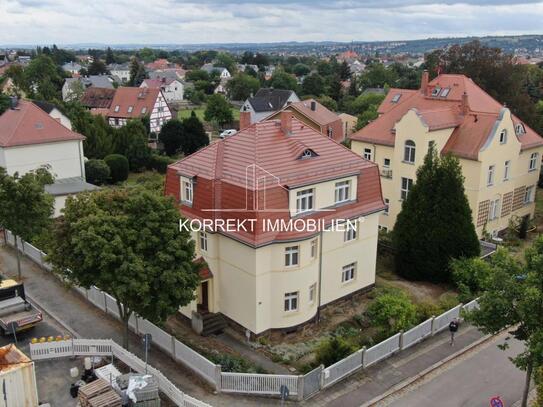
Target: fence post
(300,386)
(105,301)
(173,346)
(218,375)
(433,325)
(136,328)
(401,339)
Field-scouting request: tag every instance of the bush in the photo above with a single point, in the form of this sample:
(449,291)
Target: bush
(118,166)
(426,310)
(97,172)
(332,351)
(151,181)
(539,385)
(392,311)
(523,227)
(469,276)
(159,163)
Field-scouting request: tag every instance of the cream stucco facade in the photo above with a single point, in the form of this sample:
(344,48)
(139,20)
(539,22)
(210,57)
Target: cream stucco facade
(493,203)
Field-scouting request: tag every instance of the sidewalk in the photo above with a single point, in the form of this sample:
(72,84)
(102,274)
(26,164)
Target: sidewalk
(89,322)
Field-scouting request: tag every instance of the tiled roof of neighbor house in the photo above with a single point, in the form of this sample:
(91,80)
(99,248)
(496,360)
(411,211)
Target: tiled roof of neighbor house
(269,100)
(158,83)
(98,97)
(133,102)
(28,124)
(169,73)
(321,115)
(270,154)
(98,81)
(439,111)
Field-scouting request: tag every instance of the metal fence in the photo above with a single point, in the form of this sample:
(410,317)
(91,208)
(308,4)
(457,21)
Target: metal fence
(267,384)
(343,368)
(442,322)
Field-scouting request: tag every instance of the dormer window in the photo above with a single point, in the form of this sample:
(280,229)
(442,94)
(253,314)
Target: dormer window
(307,154)
(436,91)
(143,110)
(444,93)
(519,129)
(117,108)
(130,108)
(396,98)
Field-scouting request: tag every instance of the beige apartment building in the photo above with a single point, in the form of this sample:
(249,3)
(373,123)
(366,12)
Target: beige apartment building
(499,154)
(262,278)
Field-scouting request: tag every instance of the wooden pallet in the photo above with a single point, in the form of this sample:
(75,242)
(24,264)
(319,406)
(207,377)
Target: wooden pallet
(108,399)
(91,390)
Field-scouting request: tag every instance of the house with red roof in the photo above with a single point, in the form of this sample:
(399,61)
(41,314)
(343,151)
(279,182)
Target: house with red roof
(172,89)
(500,155)
(31,139)
(256,195)
(131,103)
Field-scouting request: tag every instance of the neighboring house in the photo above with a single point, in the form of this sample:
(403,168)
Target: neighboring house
(244,67)
(72,67)
(349,124)
(97,98)
(30,139)
(170,73)
(265,278)
(267,101)
(221,87)
(316,116)
(223,72)
(131,103)
(73,85)
(54,112)
(356,67)
(161,63)
(172,89)
(122,71)
(499,154)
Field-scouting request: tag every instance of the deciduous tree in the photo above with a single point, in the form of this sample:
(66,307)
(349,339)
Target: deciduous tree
(171,136)
(218,110)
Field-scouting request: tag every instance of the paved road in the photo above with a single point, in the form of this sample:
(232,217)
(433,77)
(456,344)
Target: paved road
(470,381)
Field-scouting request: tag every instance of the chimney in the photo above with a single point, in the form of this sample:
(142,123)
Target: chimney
(313,105)
(424,82)
(244,120)
(465,104)
(286,122)
(14,102)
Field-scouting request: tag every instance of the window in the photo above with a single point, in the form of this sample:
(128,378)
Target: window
(117,108)
(160,109)
(407,183)
(445,92)
(203,241)
(533,161)
(519,129)
(187,191)
(291,256)
(312,292)
(348,272)
(529,195)
(396,98)
(494,210)
(117,121)
(350,233)
(409,152)
(308,154)
(387,203)
(330,132)
(386,163)
(343,191)
(291,301)
(130,108)
(436,91)
(304,201)
(143,110)
(503,136)
(367,154)
(506,170)
(314,248)
(490,177)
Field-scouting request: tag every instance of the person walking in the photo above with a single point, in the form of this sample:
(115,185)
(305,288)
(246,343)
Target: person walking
(453,327)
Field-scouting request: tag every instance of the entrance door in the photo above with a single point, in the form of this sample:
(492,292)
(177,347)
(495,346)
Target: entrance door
(205,296)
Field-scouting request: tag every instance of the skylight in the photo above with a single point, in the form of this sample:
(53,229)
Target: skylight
(436,91)
(308,153)
(445,92)
(396,98)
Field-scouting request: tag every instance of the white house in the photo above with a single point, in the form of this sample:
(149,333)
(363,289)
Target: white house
(54,112)
(31,139)
(172,89)
(97,81)
(223,72)
(72,67)
(267,101)
(120,70)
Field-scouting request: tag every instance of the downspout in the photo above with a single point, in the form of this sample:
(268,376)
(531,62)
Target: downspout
(320,277)
(81,161)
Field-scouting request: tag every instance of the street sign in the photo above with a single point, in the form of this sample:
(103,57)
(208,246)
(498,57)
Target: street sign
(284,392)
(496,402)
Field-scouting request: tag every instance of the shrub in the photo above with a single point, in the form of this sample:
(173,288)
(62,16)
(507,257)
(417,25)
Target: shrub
(539,385)
(469,275)
(332,351)
(426,310)
(392,311)
(118,166)
(523,227)
(235,364)
(159,163)
(151,181)
(97,172)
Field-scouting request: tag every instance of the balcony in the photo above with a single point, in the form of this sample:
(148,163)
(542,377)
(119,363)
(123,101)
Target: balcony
(386,173)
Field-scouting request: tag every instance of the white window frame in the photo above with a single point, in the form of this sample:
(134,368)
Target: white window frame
(342,191)
(386,163)
(305,200)
(367,154)
(350,233)
(314,247)
(130,109)
(506,170)
(292,256)
(529,195)
(404,190)
(117,108)
(291,301)
(533,161)
(494,209)
(187,191)
(348,273)
(203,241)
(490,175)
(503,136)
(409,151)
(312,293)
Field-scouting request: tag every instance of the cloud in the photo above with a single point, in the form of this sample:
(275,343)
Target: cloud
(188,22)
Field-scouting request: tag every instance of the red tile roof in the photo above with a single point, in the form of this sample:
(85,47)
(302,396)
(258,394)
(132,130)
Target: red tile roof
(470,130)
(99,98)
(142,101)
(28,124)
(321,115)
(231,174)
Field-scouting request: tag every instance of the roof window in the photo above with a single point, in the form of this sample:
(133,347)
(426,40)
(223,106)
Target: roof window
(445,92)
(436,91)
(308,153)
(117,108)
(143,110)
(396,98)
(130,108)
(519,129)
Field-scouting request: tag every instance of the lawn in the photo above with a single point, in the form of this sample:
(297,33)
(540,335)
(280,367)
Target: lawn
(183,114)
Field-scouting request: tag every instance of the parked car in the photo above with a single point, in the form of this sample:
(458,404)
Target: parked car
(228,133)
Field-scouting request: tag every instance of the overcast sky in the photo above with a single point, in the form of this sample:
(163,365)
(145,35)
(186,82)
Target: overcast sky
(204,21)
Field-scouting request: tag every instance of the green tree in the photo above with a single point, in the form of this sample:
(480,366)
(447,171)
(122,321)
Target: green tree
(131,140)
(344,71)
(137,73)
(392,311)
(328,103)
(377,76)
(110,58)
(335,89)
(98,133)
(469,276)
(435,224)
(282,80)
(300,69)
(313,85)
(118,167)
(367,116)
(241,86)
(218,109)
(97,172)
(171,136)
(195,136)
(365,102)
(97,67)
(43,79)
(5,103)
(25,208)
(512,298)
(144,262)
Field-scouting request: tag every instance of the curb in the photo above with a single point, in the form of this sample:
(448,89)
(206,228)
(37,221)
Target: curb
(53,316)
(397,387)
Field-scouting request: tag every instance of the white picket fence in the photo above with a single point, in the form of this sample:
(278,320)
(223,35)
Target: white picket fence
(107,347)
(243,383)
